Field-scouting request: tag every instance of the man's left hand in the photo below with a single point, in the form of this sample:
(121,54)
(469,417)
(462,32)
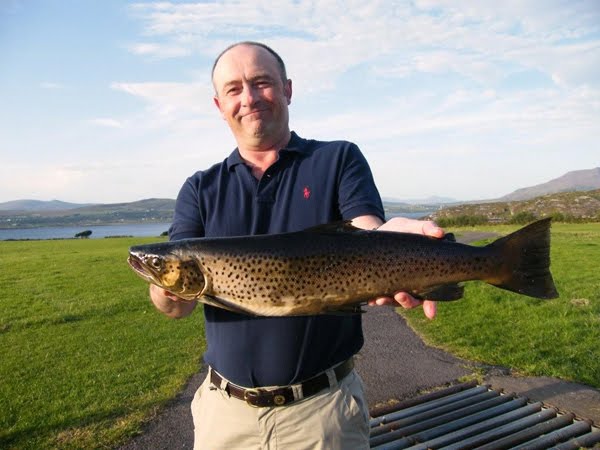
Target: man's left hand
(427,228)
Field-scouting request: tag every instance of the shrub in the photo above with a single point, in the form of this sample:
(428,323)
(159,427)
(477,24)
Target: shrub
(522,218)
(461,221)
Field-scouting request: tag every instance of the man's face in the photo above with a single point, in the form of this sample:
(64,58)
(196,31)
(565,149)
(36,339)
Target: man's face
(251,95)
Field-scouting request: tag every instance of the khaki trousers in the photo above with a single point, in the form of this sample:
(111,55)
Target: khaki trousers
(335,418)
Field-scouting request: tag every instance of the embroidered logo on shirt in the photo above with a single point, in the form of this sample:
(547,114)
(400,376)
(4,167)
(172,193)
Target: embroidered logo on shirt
(306,192)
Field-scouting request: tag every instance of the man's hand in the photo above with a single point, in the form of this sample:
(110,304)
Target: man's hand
(427,228)
(169,304)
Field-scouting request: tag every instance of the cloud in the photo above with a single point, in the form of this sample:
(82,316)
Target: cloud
(453,58)
(50,85)
(106,122)
(170,97)
(159,50)
(455,82)
(481,41)
(42,180)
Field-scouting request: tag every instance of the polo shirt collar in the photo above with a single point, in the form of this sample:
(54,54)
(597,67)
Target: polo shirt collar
(295,145)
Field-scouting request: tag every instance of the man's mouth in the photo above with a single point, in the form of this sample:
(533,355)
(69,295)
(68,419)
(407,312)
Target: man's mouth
(255,112)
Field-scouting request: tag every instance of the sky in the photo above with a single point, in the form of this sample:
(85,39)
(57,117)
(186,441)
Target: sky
(105,101)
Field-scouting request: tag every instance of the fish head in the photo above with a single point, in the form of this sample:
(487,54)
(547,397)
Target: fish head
(171,270)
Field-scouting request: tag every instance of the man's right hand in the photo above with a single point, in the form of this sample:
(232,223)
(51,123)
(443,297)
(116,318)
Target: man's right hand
(169,304)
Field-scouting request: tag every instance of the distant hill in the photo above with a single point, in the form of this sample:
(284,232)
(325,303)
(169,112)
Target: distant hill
(563,206)
(571,204)
(39,205)
(578,180)
(433,200)
(146,205)
(143,211)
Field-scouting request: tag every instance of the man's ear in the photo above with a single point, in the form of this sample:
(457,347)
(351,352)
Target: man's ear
(218,105)
(287,90)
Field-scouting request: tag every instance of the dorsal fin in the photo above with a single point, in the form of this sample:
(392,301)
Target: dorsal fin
(342,226)
(450,237)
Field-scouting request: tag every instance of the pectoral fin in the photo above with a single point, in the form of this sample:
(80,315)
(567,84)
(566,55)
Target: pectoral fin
(223,304)
(444,293)
(347,310)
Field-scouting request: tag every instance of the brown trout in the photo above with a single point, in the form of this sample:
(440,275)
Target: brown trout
(335,268)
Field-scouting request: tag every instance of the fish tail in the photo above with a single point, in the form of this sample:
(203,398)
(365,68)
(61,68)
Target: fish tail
(526,257)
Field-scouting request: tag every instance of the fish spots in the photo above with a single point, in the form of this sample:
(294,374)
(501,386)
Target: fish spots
(313,275)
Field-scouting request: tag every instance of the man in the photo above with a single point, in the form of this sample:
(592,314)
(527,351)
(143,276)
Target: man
(277,382)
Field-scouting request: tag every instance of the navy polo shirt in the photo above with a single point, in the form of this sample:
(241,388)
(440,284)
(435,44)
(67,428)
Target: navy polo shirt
(311,183)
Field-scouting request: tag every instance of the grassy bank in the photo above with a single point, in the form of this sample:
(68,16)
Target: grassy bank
(85,356)
(556,338)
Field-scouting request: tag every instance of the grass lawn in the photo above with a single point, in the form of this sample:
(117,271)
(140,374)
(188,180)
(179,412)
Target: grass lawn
(557,338)
(85,356)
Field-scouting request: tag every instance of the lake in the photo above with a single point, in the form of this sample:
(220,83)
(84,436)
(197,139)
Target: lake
(102,231)
(99,231)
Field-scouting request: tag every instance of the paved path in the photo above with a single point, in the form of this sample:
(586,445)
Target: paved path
(395,363)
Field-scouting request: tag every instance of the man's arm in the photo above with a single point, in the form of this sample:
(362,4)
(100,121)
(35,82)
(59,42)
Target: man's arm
(402,224)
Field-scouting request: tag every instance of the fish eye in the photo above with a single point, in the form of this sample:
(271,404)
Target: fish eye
(155,262)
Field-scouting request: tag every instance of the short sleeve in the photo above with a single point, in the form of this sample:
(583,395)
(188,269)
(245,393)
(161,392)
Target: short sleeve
(358,194)
(187,218)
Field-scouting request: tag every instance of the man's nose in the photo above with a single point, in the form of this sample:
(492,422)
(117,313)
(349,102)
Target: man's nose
(249,95)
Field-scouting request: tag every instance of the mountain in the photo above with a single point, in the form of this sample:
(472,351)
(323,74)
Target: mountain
(562,206)
(432,200)
(578,180)
(39,205)
(151,210)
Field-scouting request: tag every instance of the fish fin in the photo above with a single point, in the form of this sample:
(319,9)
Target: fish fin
(526,253)
(446,292)
(346,310)
(222,303)
(342,226)
(450,237)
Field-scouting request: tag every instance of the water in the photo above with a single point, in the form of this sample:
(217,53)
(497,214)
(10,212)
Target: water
(99,231)
(409,215)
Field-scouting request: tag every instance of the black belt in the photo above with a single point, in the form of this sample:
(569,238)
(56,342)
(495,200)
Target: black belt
(260,397)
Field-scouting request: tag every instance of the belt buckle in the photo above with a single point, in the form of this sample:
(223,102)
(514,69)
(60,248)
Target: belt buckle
(249,394)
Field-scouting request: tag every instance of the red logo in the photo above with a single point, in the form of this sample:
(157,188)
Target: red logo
(306,192)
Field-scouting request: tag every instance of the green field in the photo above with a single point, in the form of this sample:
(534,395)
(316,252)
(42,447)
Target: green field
(86,358)
(557,338)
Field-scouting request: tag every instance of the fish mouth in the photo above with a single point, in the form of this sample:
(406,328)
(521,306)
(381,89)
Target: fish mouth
(141,269)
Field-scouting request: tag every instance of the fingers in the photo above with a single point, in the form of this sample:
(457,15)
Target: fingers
(430,228)
(173,297)
(164,293)
(407,302)
(430,309)
(381,301)
(405,225)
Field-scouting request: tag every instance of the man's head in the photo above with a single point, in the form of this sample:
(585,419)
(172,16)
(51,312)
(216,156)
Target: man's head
(282,70)
(253,94)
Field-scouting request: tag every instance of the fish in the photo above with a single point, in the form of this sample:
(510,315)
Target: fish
(336,268)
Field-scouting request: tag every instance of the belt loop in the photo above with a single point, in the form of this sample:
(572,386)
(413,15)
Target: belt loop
(297,390)
(331,377)
(223,385)
(209,376)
